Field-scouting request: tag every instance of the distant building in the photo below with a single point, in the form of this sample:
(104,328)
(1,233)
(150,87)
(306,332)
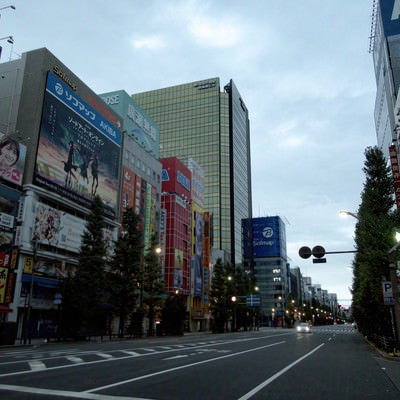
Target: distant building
(271,269)
(199,121)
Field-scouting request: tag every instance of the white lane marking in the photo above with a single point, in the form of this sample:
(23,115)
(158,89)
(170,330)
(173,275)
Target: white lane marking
(36,365)
(150,350)
(74,364)
(131,353)
(73,359)
(175,357)
(138,378)
(278,374)
(104,355)
(65,393)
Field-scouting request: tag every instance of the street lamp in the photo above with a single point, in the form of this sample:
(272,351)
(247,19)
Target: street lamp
(343,213)
(234,300)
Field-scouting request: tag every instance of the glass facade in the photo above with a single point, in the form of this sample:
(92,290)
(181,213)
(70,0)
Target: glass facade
(198,121)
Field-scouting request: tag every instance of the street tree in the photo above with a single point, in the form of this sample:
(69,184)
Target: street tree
(373,238)
(220,296)
(125,268)
(84,294)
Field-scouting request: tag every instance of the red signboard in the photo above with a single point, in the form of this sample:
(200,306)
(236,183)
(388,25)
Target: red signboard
(394,162)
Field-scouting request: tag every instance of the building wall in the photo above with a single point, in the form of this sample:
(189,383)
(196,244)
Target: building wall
(196,120)
(386,57)
(175,200)
(54,203)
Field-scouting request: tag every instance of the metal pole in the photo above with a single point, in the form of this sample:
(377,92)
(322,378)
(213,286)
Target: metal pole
(28,315)
(393,279)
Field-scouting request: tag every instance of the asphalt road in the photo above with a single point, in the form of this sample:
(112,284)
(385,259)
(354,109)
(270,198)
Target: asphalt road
(329,363)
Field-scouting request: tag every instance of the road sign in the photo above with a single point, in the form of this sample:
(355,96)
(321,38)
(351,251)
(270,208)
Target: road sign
(319,260)
(253,300)
(388,298)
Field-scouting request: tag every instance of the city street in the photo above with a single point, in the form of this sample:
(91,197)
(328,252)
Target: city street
(332,362)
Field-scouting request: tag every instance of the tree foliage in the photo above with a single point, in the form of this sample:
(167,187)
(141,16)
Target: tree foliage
(373,237)
(126,268)
(153,284)
(84,294)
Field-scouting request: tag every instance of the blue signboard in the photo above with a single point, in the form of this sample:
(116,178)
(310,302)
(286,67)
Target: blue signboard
(253,300)
(390,11)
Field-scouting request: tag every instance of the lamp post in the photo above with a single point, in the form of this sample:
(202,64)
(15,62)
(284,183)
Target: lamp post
(343,213)
(234,299)
(28,314)
(395,308)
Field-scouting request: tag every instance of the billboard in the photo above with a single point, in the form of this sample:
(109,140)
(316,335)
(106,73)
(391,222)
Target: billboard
(390,11)
(78,151)
(197,182)
(12,159)
(176,177)
(269,237)
(136,122)
(57,228)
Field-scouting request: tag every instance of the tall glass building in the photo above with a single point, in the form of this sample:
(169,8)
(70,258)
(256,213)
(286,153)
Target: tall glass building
(385,49)
(199,121)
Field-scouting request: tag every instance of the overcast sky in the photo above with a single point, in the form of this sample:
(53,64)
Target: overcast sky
(302,67)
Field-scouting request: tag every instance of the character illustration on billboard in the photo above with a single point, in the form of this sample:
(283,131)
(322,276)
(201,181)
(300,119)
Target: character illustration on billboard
(10,152)
(95,173)
(69,165)
(84,165)
(47,224)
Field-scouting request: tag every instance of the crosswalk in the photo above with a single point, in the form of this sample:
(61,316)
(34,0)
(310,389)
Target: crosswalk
(337,330)
(35,360)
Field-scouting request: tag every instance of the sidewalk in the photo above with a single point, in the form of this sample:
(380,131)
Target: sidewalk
(389,363)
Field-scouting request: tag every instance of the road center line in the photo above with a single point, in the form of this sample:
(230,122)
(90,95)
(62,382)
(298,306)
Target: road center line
(138,378)
(278,374)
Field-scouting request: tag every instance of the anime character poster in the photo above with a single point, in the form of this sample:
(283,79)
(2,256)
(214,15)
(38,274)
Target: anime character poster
(78,151)
(12,159)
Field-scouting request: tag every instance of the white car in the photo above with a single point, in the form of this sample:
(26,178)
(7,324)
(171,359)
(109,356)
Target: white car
(304,327)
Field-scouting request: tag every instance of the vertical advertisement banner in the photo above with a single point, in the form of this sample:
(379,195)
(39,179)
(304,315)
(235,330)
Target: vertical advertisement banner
(178,272)
(3,283)
(78,151)
(199,232)
(128,188)
(394,162)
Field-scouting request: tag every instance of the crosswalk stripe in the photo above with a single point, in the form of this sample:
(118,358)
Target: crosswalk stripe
(104,355)
(74,359)
(36,365)
(131,353)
